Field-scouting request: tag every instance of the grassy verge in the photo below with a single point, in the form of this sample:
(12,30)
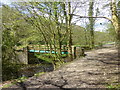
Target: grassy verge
(21,79)
(114,87)
(48,57)
(39,74)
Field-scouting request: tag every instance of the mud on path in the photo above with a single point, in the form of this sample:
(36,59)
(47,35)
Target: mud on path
(98,69)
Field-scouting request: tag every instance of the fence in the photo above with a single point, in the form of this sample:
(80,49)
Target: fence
(23,56)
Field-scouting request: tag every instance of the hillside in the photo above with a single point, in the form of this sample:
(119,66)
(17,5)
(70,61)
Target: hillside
(81,36)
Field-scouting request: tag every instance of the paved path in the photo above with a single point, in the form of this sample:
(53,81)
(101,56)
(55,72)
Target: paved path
(98,69)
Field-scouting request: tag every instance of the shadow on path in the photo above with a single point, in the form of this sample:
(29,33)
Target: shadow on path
(98,69)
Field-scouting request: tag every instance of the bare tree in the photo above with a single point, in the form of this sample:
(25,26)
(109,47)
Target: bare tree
(91,22)
(116,22)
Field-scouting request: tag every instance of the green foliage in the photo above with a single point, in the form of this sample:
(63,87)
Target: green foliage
(114,87)
(49,58)
(21,79)
(13,32)
(79,37)
(7,85)
(78,32)
(23,26)
(45,57)
(111,32)
(39,74)
(64,55)
(102,37)
(10,70)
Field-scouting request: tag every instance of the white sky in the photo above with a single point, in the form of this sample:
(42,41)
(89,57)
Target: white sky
(100,24)
(83,12)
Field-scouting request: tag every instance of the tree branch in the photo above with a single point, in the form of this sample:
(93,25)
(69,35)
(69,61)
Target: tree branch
(91,17)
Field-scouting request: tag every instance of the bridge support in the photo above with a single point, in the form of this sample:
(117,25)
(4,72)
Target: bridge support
(22,56)
(77,52)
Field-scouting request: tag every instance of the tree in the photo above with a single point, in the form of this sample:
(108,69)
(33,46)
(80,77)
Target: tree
(8,42)
(69,31)
(91,21)
(116,22)
(16,32)
(49,27)
(111,31)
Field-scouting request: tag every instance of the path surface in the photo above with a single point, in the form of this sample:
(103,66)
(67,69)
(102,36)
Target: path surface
(96,70)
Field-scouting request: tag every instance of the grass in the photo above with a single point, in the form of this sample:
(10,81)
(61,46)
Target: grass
(39,74)
(109,43)
(7,85)
(45,57)
(114,87)
(48,57)
(81,45)
(21,79)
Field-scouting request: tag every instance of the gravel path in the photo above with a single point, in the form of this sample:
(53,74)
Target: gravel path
(98,69)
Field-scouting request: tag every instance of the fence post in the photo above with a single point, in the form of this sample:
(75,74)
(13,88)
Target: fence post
(74,52)
(83,52)
(64,47)
(26,53)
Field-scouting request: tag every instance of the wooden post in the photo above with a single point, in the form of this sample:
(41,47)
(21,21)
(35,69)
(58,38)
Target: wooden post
(33,48)
(63,47)
(45,48)
(27,55)
(74,53)
(82,52)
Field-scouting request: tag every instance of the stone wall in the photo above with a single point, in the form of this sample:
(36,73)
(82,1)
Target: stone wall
(77,52)
(22,56)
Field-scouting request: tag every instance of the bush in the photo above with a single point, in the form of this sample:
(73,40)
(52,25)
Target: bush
(10,71)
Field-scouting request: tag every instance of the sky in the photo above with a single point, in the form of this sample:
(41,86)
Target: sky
(100,23)
(5,1)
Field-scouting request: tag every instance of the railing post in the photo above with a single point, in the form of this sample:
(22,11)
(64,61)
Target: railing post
(83,52)
(64,47)
(74,52)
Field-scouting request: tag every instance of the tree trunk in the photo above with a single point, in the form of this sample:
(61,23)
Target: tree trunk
(58,31)
(118,29)
(70,33)
(116,23)
(91,20)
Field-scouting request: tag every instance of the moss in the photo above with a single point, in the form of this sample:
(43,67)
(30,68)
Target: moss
(114,87)
(39,74)
(21,79)
(48,57)
(45,57)
(7,85)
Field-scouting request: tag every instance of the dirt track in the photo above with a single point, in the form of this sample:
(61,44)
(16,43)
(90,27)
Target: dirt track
(98,69)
